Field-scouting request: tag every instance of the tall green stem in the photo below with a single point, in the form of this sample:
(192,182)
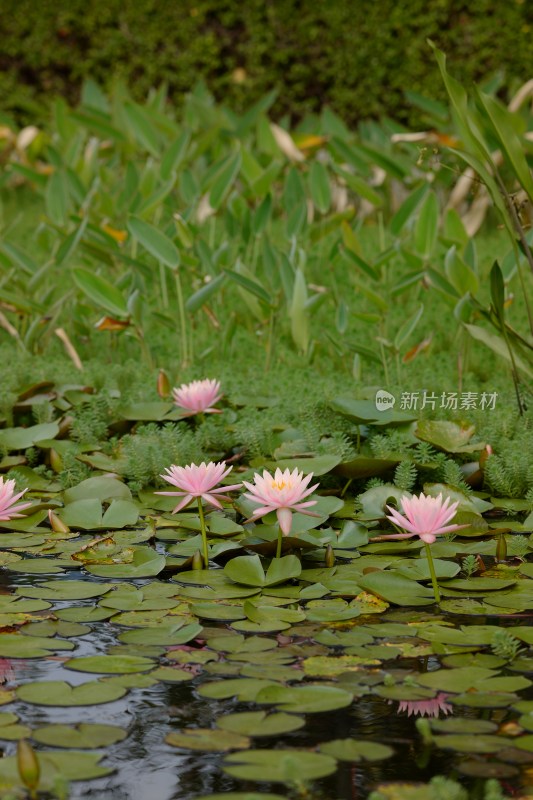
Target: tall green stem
(280,539)
(204,533)
(183,321)
(432,572)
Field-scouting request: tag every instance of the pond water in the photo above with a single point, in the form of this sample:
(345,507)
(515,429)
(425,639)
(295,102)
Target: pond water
(144,765)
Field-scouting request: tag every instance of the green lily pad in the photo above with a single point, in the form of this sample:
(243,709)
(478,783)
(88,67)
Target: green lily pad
(259,723)
(304,699)
(448,436)
(145,564)
(23,438)
(71,766)
(395,588)
(11,729)
(463,725)
(457,680)
(483,699)
(245,689)
(172,675)
(283,766)
(211,740)
(219,611)
(113,665)
(82,736)
(249,570)
(84,614)
(98,488)
(60,693)
(17,645)
(166,635)
(356,750)
(478,584)
(468,743)
(63,590)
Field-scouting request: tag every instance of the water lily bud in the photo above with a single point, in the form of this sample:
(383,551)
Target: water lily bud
(28,766)
(57,525)
(163,384)
(487,452)
(197,561)
(501,548)
(56,462)
(329,558)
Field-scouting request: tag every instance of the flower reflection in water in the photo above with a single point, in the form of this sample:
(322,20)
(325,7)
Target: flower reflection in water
(426,708)
(7,673)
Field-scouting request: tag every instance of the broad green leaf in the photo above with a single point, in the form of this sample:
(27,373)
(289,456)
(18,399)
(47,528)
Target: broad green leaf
(100,291)
(319,187)
(427,224)
(298,313)
(501,121)
(155,241)
(224,180)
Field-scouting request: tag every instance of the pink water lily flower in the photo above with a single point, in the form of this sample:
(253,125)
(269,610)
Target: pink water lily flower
(9,507)
(426,708)
(282,493)
(198,481)
(424,516)
(198,397)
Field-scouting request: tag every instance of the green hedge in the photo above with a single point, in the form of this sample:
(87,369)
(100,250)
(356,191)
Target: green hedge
(356,55)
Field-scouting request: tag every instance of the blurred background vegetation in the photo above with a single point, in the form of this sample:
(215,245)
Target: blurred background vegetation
(357,56)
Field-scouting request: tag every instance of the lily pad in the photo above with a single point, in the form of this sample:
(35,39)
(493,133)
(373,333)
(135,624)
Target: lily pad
(284,766)
(114,665)
(82,736)
(60,693)
(145,564)
(305,699)
(259,723)
(356,750)
(249,570)
(208,739)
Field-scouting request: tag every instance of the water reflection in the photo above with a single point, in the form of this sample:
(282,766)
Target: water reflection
(426,708)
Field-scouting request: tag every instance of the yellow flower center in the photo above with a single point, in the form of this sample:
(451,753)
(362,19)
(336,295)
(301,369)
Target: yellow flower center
(279,485)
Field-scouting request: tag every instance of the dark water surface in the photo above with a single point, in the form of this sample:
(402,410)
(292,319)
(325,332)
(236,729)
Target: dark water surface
(146,768)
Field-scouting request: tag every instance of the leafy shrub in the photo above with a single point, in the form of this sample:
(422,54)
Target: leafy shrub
(357,55)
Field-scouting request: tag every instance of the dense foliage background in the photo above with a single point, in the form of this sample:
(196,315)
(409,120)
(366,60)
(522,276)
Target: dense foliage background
(358,56)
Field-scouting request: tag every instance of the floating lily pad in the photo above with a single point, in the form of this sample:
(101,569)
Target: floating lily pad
(166,635)
(467,743)
(245,689)
(304,699)
(463,725)
(17,645)
(259,723)
(484,699)
(60,693)
(114,665)
(356,750)
(211,740)
(395,588)
(284,766)
(64,590)
(145,564)
(249,570)
(71,766)
(82,736)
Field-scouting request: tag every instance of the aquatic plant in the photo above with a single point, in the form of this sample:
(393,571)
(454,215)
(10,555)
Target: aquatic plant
(9,508)
(198,397)
(199,481)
